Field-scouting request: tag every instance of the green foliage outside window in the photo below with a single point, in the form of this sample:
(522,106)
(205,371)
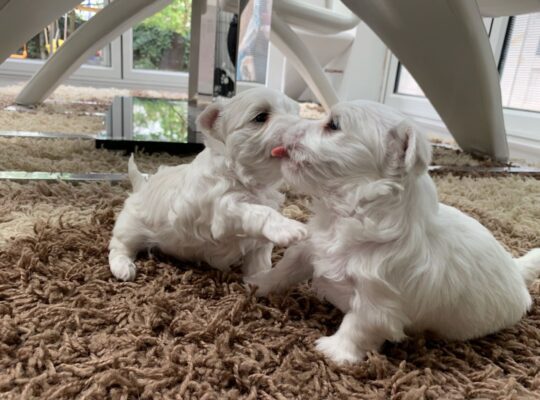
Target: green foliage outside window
(176,18)
(157,119)
(159,42)
(162,40)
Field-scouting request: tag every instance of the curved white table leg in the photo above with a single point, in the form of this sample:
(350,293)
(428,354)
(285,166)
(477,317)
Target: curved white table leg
(22,19)
(284,38)
(106,25)
(445,47)
(324,48)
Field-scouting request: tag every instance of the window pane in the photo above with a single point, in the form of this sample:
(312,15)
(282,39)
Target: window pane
(406,83)
(45,43)
(161,42)
(520,80)
(520,66)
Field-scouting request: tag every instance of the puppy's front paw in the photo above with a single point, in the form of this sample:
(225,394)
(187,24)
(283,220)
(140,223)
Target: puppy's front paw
(284,232)
(123,268)
(339,350)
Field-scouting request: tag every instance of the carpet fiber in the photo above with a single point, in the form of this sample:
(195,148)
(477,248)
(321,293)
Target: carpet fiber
(69,330)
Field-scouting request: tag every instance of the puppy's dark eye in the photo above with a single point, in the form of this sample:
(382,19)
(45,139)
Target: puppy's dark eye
(261,118)
(333,125)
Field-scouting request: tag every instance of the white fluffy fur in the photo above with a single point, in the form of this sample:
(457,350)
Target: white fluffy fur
(223,206)
(381,247)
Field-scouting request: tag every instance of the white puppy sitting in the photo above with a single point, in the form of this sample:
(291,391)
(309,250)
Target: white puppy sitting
(381,247)
(222,206)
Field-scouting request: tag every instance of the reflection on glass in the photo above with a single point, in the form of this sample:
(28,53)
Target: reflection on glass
(160,120)
(64,176)
(51,38)
(520,80)
(161,42)
(155,125)
(225,54)
(253,39)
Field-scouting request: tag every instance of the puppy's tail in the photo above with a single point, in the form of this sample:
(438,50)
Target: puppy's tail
(529,265)
(137,179)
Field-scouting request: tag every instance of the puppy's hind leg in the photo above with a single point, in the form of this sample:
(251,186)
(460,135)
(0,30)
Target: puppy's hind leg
(126,242)
(293,268)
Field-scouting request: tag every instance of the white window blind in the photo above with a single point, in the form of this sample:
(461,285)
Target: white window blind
(520,64)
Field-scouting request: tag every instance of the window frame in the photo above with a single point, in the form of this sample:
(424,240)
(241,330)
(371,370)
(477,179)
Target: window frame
(22,69)
(522,127)
(120,73)
(155,79)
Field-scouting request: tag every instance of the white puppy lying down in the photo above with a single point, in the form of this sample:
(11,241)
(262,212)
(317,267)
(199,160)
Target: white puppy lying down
(381,247)
(222,206)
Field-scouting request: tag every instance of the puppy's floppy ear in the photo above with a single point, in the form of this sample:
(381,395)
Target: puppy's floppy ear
(408,150)
(206,121)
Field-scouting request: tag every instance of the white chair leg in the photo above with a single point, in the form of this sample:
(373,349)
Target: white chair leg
(22,19)
(445,47)
(284,38)
(106,25)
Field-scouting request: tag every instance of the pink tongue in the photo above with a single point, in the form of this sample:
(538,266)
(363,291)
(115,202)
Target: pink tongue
(279,152)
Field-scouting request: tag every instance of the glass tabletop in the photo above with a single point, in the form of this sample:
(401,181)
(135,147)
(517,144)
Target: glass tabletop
(155,125)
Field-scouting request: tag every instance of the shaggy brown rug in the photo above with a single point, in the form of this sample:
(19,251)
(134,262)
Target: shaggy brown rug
(69,330)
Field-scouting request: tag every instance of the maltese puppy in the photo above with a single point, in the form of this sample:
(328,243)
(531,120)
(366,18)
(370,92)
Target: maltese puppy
(222,207)
(381,246)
